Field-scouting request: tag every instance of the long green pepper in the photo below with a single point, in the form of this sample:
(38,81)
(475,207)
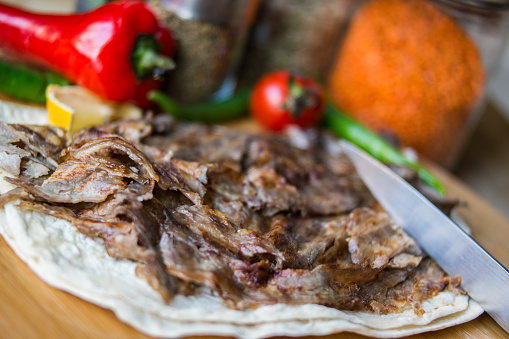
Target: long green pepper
(348,129)
(210,113)
(26,84)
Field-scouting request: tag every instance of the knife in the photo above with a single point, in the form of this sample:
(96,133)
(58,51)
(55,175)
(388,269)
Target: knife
(483,277)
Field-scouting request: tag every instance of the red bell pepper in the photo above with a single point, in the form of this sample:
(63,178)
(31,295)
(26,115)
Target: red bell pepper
(119,51)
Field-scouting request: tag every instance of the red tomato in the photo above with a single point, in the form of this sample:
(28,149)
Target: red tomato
(282,98)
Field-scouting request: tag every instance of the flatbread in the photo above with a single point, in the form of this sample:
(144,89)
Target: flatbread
(73,262)
(17,113)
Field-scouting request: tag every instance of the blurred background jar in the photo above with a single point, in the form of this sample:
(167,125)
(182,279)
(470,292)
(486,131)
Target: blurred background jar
(301,35)
(417,70)
(211,37)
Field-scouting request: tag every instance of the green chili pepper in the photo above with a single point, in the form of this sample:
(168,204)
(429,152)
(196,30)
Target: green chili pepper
(348,129)
(212,112)
(26,84)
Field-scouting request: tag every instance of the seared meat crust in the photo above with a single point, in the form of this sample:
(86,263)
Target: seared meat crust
(257,219)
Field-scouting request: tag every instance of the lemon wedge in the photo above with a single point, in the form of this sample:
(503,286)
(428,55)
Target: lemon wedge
(75,107)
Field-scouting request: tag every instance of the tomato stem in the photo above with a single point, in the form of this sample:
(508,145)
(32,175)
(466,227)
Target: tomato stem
(299,97)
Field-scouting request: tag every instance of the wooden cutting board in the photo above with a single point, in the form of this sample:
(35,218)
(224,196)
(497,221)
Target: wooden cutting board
(31,309)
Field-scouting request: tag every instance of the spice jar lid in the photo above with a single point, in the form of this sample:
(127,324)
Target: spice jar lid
(217,11)
(487,4)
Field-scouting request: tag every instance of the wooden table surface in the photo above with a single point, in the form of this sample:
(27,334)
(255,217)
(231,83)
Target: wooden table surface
(31,309)
(484,166)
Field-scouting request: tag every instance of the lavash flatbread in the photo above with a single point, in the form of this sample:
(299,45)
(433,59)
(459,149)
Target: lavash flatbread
(73,262)
(17,113)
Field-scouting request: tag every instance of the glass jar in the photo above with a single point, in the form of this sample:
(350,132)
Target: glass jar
(211,37)
(486,22)
(300,35)
(418,69)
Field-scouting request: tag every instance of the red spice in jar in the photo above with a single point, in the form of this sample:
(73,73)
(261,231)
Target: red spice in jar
(408,69)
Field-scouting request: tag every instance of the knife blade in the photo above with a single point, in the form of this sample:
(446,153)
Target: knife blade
(483,277)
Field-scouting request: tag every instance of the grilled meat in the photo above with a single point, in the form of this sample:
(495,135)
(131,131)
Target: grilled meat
(256,219)
(34,149)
